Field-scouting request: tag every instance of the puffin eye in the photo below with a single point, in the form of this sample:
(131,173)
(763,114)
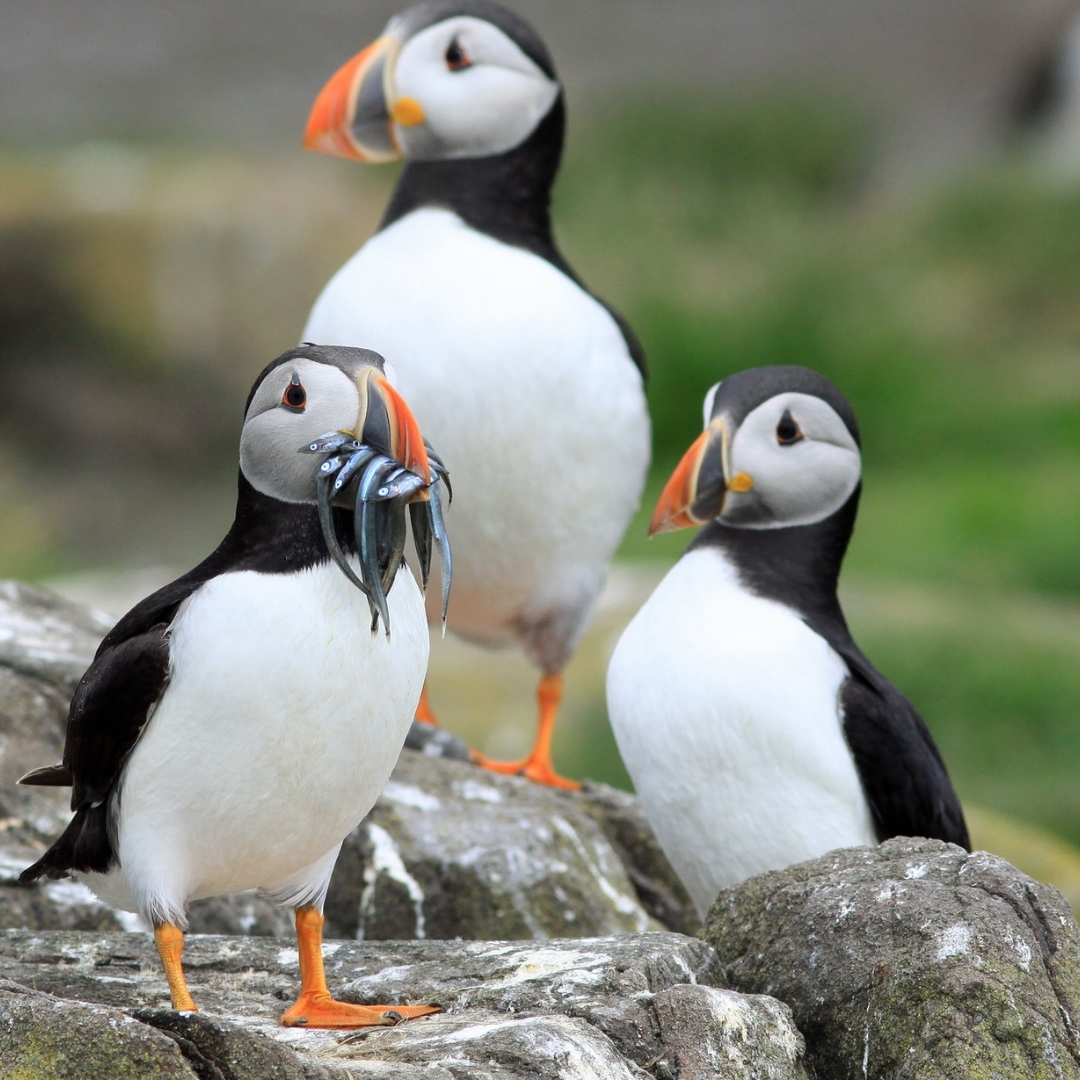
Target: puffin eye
(788,430)
(295,396)
(457,59)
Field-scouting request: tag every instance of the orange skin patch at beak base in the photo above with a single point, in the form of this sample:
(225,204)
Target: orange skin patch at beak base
(741,482)
(673,507)
(408,443)
(408,112)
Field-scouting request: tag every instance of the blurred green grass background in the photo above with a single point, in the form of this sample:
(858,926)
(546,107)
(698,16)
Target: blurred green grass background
(730,235)
(951,318)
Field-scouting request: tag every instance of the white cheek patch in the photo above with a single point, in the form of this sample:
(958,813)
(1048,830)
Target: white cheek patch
(270,442)
(484,109)
(797,484)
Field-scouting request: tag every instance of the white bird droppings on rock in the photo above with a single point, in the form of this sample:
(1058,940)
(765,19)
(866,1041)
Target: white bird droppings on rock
(386,859)
(954,940)
(410,795)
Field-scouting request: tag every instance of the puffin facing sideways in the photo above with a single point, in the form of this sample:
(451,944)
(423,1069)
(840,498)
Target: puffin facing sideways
(524,380)
(756,732)
(236,725)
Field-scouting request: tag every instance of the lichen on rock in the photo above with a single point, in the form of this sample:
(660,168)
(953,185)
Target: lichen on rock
(603,1008)
(914,959)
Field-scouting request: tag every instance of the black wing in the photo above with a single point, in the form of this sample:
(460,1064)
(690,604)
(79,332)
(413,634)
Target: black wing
(108,712)
(904,779)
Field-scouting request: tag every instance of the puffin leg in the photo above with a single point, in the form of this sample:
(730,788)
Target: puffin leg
(538,766)
(315,1008)
(424,714)
(170,944)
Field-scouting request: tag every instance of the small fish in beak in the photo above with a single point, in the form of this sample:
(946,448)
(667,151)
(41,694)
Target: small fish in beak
(392,468)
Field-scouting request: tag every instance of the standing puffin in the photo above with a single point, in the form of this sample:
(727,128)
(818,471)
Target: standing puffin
(530,386)
(756,733)
(236,725)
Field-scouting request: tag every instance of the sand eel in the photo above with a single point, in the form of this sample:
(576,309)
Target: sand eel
(236,725)
(756,733)
(529,385)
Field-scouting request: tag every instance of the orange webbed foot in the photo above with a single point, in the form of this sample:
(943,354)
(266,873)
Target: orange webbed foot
(535,769)
(320,1010)
(538,766)
(315,1007)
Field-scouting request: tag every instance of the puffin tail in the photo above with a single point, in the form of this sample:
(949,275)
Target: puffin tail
(83,845)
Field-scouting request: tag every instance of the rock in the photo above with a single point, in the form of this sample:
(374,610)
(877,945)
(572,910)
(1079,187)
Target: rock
(603,1008)
(914,959)
(46,637)
(45,1038)
(451,851)
(448,851)
(46,644)
(705,1031)
(435,742)
(659,889)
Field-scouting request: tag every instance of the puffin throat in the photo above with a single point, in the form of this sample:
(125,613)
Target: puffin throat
(507,196)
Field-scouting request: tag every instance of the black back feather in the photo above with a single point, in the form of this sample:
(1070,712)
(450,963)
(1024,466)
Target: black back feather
(903,776)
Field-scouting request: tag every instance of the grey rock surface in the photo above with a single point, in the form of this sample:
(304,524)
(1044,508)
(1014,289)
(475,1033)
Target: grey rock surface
(599,1008)
(912,960)
(448,851)
(44,1036)
(453,851)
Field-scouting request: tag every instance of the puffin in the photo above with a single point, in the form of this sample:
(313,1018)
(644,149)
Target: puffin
(238,723)
(531,387)
(755,731)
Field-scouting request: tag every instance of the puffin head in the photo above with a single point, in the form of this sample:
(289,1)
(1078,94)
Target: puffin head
(447,79)
(780,448)
(309,392)
(324,427)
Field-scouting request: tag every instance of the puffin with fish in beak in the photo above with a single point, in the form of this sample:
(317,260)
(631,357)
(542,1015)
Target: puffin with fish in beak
(530,386)
(237,724)
(756,732)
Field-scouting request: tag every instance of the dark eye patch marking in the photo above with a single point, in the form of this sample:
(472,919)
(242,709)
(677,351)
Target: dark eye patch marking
(788,431)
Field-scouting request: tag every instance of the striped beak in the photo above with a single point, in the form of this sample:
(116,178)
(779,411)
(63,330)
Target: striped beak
(355,114)
(696,490)
(382,468)
(386,421)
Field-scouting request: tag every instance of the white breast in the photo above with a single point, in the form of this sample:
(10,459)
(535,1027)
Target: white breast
(279,727)
(524,385)
(725,709)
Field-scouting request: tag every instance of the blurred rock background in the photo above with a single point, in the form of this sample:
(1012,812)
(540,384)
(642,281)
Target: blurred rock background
(887,192)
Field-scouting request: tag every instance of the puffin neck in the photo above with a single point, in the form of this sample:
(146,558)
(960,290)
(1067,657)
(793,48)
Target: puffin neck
(797,566)
(507,196)
(272,536)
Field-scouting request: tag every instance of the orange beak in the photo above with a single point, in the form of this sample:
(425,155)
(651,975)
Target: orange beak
(697,490)
(386,422)
(406,442)
(673,508)
(350,117)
